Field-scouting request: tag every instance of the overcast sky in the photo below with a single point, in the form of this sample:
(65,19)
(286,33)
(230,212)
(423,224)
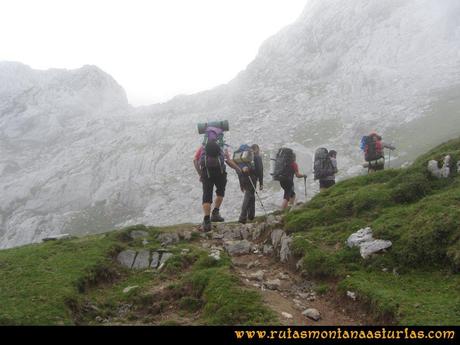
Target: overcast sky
(155,49)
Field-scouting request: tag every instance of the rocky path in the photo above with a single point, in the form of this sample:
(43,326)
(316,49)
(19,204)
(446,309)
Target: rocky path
(256,254)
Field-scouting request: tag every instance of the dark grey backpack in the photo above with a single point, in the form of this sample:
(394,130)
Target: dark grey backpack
(322,166)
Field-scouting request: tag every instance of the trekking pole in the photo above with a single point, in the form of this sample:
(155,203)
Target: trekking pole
(258,197)
(305,184)
(389,157)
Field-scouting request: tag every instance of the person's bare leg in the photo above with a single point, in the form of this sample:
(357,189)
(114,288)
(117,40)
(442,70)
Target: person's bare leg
(284,205)
(292,200)
(207,209)
(219,200)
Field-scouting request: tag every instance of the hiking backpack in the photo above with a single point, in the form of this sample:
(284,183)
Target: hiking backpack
(244,157)
(373,150)
(212,158)
(322,166)
(283,164)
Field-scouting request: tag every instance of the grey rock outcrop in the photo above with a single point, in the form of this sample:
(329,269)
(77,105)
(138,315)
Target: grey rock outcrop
(366,243)
(285,251)
(276,236)
(142,260)
(126,258)
(442,172)
(135,234)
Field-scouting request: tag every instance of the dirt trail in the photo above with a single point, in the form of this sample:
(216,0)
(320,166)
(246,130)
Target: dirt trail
(284,291)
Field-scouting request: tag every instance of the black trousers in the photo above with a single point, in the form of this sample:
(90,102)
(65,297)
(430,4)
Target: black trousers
(248,209)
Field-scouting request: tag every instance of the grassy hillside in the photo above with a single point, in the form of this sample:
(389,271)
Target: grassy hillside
(417,280)
(76,281)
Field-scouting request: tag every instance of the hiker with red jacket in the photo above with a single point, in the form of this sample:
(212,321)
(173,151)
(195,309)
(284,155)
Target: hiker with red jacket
(373,148)
(210,162)
(285,169)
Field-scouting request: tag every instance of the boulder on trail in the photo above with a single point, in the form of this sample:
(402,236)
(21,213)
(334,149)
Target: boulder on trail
(274,284)
(238,247)
(276,236)
(168,238)
(312,313)
(155,260)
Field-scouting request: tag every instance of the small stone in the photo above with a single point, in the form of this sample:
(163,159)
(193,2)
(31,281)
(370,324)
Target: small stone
(185,251)
(186,235)
(283,276)
(217,236)
(286,315)
(145,242)
(252,264)
(299,264)
(274,284)
(99,319)
(351,295)
(215,254)
(168,238)
(129,288)
(312,313)
(268,249)
(244,233)
(303,295)
(384,269)
(259,275)
(205,245)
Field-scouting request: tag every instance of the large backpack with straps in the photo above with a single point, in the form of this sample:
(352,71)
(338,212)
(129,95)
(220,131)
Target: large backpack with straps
(373,149)
(212,159)
(244,157)
(322,166)
(283,164)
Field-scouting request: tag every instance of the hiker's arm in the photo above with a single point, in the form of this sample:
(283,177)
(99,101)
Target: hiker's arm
(233,165)
(389,146)
(297,173)
(197,167)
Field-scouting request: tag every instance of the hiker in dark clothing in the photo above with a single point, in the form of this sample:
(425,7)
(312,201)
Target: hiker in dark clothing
(288,184)
(248,181)
(209,162)
(373,147)
(329,181)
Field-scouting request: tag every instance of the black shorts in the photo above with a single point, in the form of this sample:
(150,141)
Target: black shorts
(216,179)
(288,186)
(326,183)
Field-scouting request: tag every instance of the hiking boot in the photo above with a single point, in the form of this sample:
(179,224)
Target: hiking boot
(216,217)
(206,226)
(242,221)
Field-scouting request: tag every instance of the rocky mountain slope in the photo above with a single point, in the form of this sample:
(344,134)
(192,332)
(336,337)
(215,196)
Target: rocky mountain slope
(377,249)
(77,158)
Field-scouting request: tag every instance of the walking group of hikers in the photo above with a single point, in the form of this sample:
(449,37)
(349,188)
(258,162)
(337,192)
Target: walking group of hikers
(213,155)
